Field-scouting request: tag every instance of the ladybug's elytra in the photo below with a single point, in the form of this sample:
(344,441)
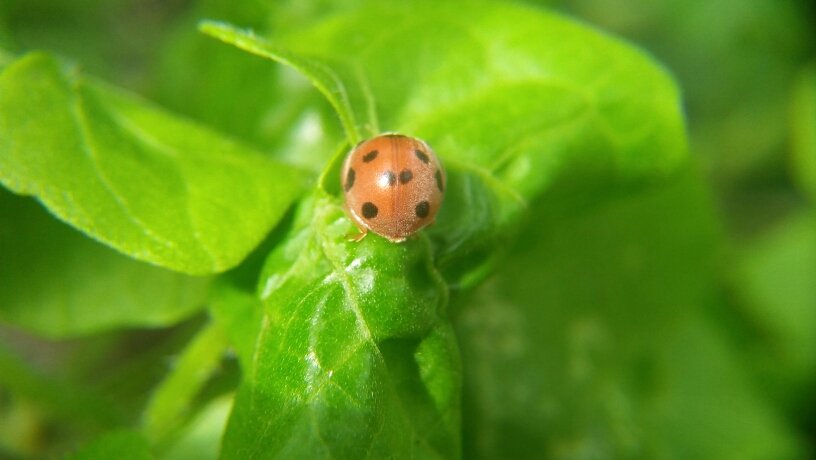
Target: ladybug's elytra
(394,185)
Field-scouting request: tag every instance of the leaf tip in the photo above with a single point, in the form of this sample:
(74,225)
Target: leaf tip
(210,26)
(222,30)
(225,31)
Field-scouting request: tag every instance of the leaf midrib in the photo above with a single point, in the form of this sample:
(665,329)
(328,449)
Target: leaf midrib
(352,300)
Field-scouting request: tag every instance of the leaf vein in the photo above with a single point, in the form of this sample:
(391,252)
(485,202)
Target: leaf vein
(86,144)
(157,145)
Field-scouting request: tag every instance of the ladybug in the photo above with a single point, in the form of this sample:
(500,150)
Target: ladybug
(393,185)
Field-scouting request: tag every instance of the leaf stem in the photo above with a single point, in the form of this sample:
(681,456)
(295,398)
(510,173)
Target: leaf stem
(170,406)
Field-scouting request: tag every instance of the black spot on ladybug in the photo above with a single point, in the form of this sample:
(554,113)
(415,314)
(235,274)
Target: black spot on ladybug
(405,176)
(370,210)
(422,209)
(422,156)
(438,176)
(390,178)
(370,156)
(349,179)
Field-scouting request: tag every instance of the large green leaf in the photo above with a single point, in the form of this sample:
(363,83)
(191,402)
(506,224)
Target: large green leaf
(738,113)
(58,283)
(507,119)
(354,357)
(152,186)
(495,86)
(595,341)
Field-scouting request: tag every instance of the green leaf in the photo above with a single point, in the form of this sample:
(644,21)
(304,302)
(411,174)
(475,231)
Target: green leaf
(152,186)
(354,358)
(495,86)
(58,283)
(122,444)
(202,439)
(505,135)
(499,86)
(474,227)
(222,100)
(709,407)
(349,361)
(344,86)
(773,279)
(594,340)
(240,315)
(738,114)
(280,112)
(171,404)
(512,113)
(803,132)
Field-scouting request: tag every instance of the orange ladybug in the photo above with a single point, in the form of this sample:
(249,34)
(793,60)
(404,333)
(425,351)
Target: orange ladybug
(394,186)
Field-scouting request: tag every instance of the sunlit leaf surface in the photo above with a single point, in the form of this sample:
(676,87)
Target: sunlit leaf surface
(155,187)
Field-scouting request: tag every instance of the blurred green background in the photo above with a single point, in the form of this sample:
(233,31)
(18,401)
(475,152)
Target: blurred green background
(698,339)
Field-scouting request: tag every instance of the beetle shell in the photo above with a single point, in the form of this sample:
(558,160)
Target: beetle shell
(393,184)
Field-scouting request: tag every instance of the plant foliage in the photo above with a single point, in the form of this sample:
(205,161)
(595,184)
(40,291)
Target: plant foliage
(560,307)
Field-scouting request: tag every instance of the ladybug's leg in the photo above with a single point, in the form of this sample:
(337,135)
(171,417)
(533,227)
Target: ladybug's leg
(358,237)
